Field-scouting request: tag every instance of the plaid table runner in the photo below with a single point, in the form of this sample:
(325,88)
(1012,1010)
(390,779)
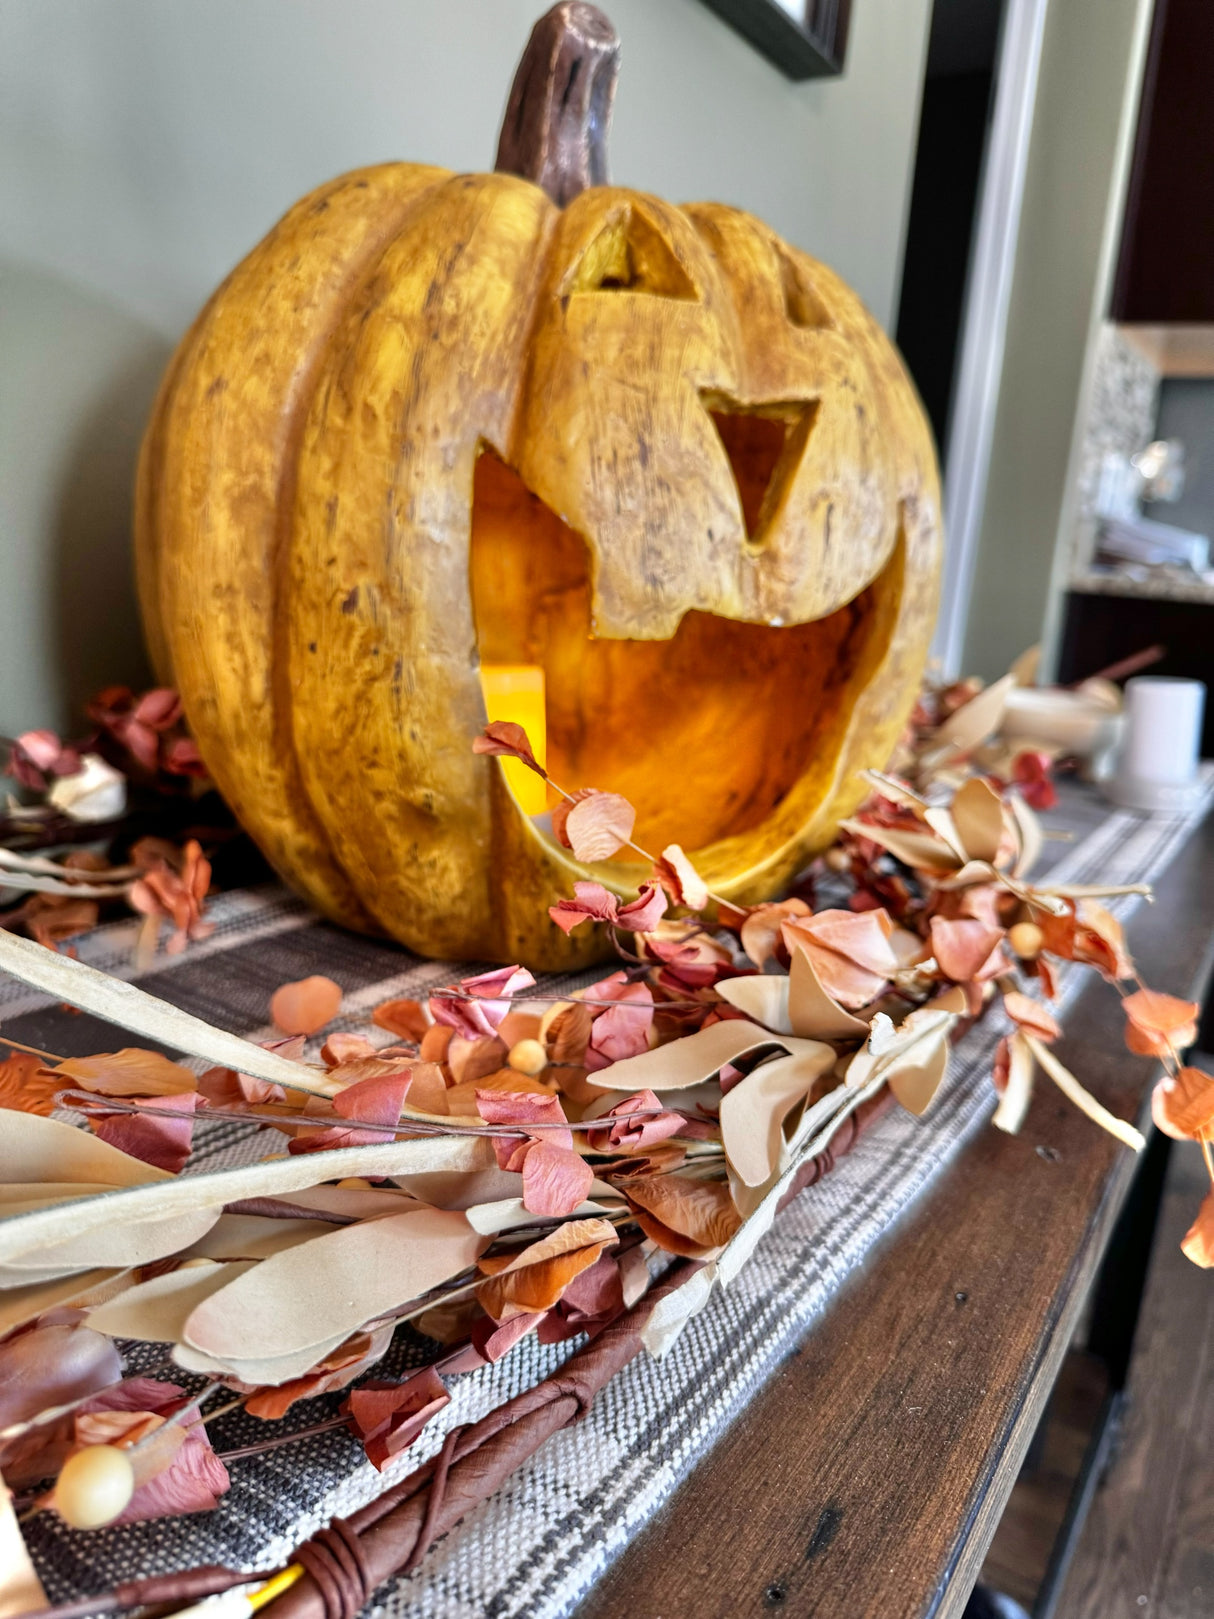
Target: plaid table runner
(534,1549)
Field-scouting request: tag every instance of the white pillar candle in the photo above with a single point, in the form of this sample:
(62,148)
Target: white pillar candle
(1157,769)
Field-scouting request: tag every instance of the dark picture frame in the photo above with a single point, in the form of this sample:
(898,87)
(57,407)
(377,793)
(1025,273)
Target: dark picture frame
(810,45)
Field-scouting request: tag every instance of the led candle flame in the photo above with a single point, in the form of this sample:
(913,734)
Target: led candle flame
(515,692)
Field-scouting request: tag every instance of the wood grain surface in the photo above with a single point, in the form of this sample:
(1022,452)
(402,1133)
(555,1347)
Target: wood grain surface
(868,1476)
(1147,1549)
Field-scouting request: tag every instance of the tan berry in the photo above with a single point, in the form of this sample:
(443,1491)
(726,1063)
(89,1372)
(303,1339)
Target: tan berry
(1026,939)
(94,1486)
(528,1057)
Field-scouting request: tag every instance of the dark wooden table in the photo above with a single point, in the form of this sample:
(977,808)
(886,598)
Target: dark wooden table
(868,1476)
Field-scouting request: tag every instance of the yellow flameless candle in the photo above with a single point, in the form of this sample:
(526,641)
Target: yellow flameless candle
(515,692)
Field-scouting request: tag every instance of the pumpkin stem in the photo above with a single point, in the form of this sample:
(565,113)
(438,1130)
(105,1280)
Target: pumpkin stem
(555,129)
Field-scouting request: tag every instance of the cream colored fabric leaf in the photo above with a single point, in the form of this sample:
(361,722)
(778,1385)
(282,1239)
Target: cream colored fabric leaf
(169,1196)
(919,850)
(508,1212)
(333,1284)
(115,1244)
(36,1149)
(753,1111)
(255,1236)
(264,1373)
(978,817)
(812,1012)
(911,1059)
(157,1311)
(1018,1093)
(20,1305)
(763,998)
(20,1589)
(692,1059)
(1083,1099)
(130,1007)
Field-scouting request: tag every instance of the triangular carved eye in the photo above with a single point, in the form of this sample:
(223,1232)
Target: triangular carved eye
(630,254)
(802,304)
(764,446)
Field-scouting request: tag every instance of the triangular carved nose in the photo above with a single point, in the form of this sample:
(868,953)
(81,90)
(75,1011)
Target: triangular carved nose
(764,444)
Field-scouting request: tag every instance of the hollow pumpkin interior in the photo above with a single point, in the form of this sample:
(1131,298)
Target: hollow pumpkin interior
(706,733)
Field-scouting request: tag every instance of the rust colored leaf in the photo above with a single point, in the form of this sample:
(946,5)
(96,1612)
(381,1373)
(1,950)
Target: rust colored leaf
(687,1217)
(1183,1108)
(565,1032)
(598,825)
(131,1072)
(389,1416)
(503,737)
(474,1059)
(406,1018)
(165,1142)
(305,1006)
(47,1366)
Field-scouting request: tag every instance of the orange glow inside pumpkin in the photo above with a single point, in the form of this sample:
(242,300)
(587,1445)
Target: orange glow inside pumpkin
(706,733)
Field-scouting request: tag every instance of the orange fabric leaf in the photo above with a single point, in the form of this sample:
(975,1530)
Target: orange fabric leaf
(26,1086)
(683,1216)
(305,1006)
(130,1072)
(1158,1024)
(406,1018)
(1183,1108)
(1198,1244)
(535,1278)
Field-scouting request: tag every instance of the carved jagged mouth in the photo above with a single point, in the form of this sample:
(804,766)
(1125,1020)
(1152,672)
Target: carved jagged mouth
(708,733)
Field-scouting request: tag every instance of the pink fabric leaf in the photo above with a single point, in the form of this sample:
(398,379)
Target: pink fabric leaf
(389,1416)
(505,738)
(476,1018)
(555,1179)
(598,825)
(645,911)
(967,949)
(592,903)
(166,1143)
(374,1101)
(160,709)
(623,1131)
(623,1029)
(522,1108)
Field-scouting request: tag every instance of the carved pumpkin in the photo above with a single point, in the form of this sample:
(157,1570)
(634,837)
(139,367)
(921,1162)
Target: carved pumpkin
(439,419)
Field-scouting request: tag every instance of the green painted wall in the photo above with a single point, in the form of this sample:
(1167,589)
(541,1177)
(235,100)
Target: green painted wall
(145,145)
